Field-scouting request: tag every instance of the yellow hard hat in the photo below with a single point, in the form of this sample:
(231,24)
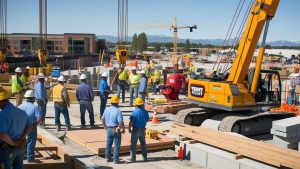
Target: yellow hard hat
(114,99)
(4,94)
(138,101)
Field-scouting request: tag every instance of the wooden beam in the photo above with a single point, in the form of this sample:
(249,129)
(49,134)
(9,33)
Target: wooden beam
(243,146)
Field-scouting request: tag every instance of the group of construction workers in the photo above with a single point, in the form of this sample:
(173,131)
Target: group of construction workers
(20,121)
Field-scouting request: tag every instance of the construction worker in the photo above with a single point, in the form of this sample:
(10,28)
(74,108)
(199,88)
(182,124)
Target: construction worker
(123,75)
(143,85)
(136,127)
(61,103)
(192,70)
(85,96)
(104,92)
(113,123)
(134,81)
(156,80)
(25,78)
(17,86)
(41,96)
(15,125)
(35,115)
(148,71)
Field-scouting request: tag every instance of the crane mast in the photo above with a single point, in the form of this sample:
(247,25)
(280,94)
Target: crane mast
(43,51)
(262,11)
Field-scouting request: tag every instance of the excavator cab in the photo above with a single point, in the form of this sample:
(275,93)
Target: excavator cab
(268,89)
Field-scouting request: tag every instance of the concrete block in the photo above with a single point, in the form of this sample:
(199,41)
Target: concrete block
(286,145)
(287,125)
(246,163)
(284,134)
(286,139)
(215,158)
(216,162)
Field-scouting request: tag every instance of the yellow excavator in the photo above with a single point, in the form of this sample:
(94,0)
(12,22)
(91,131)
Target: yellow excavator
(233,102)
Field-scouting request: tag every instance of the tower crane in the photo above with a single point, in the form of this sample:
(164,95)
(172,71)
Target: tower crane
(175,28)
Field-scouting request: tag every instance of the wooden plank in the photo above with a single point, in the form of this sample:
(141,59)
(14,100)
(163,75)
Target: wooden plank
(95,141)
(46,149)
(47,164)
(247,147)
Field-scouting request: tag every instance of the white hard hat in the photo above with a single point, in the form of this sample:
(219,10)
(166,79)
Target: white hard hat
(82,76)
(18,70)
(27,67)
(29,93)
(142,72)
(104,74)
(133,68)
(61,79)
(40,76)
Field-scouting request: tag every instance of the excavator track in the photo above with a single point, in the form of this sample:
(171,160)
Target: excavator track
(245,123)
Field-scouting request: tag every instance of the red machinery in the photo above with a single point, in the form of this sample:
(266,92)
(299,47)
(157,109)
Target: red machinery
(175,83)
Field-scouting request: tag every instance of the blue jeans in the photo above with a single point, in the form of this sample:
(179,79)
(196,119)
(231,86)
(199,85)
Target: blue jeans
(103,98)
(86,105)
(111,138)
(121,87)
(41,104)
(61,108)
(155,87)
(138,134)
(135,92)
(31,141)
(12,157)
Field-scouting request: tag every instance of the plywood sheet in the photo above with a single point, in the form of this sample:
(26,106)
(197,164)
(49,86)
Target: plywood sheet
(95,141)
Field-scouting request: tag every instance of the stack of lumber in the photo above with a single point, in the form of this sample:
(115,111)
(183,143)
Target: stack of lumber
(95,141)
(286,132)
(257,150)
(171,107)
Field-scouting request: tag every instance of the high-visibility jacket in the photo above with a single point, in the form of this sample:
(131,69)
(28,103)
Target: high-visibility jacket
(148,72)
(123,75)
(58,93)
(156,76)
(192,68)
(16,84)
(134,80)
(24,80)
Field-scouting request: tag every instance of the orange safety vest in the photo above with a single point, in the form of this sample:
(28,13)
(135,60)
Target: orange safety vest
(57,93)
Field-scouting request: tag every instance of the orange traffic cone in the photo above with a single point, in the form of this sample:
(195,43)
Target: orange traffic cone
(155,118)
(180,153)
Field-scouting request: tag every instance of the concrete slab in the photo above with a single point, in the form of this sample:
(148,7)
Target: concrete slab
(286,140)
(246,163)
(217,162)
(287,125)
(286,145)
(284,134)
(197,156)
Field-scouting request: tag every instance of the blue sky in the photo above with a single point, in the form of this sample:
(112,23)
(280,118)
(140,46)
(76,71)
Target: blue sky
(100,17)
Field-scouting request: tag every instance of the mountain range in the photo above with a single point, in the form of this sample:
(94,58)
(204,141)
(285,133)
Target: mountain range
(165,39)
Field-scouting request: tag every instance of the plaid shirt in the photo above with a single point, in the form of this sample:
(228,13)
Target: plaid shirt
(295,81)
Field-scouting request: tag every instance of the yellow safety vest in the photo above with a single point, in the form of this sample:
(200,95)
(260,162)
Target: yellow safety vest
(156,76)
(57,93)
(16,84)
(134,80)
(123,75)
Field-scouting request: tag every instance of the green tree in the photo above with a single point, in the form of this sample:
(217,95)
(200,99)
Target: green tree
(142,42)
(134,43)
(187,45)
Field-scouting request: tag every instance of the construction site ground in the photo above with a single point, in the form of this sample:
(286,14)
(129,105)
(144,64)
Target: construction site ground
(166,158)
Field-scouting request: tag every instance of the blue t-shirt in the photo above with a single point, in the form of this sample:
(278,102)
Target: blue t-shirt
(40,91)
(113,116)
(143,85)
(32,111)
(13,121)
(139,117)
(103,86)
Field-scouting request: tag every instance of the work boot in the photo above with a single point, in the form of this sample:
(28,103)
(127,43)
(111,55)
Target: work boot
(57,127)
(68,128)
(83,126)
